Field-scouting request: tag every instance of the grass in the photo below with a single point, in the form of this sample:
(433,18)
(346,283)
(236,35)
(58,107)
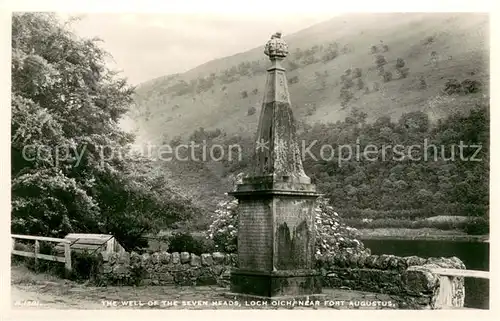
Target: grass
(419,234)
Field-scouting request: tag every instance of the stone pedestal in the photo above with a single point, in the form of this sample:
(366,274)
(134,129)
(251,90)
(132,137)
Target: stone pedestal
(276,237)
(276,228)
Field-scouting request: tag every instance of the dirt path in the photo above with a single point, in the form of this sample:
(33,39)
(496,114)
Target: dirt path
(43,291)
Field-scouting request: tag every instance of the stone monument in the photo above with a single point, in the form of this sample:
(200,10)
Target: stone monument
(276,232)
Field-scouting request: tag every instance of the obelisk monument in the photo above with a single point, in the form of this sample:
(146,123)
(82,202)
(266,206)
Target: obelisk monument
(276,230)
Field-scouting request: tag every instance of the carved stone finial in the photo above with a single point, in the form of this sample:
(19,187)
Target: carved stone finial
(276,48)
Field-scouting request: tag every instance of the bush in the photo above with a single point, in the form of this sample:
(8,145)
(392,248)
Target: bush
(360,84)
(422,84)
(345,96)
(356,73)
(385,48)
(380,60)
(255,91)
(330,55)
(376,86)
(244,94)
(403,72)
(400,63)
(251,111)
(84,265)
(373,49)
(185,242)
(332,235)
(293,80)
(429,40)
(387,76)
(477,226)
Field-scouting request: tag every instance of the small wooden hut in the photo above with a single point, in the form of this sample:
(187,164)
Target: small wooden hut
(93,243)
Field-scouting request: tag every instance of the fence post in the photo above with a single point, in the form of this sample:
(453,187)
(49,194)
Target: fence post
(67,257)
(37,251)
(13,244)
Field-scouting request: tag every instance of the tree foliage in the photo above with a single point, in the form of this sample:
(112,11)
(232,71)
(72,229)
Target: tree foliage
(332,235)
(72,167)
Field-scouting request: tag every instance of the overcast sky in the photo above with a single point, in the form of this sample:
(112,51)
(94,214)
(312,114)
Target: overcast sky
(146,46)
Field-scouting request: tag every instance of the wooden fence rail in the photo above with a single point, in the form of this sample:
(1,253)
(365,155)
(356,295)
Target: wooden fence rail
(36,254)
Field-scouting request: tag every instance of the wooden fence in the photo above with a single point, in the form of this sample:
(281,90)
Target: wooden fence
(66,259)
(447,287)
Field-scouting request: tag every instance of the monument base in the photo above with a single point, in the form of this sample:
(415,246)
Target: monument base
(276,284)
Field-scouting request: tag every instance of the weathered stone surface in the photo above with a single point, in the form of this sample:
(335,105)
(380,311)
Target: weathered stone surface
(176,258)
(135,258)
(155,258)
(145,259)
(185,256)
(166,278)
(218,257)
(419,279)
(120,269)
(217,270)
(164,257)
(416,286)
(195,260)
(206,259)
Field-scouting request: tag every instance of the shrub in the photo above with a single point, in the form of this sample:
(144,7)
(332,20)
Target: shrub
(346,82)
(293,80)
(356,73)
(471,86)
(477,226)
(429,40)
(385,48)
(185,242)
(402,72)
(376,86)
(330,55)
(255,91)
(332,235)
(244,94)
(373,49)
(400,63)
(360,84)
(380,60)
(345,96)
(467,86)
(251,111)
(387,76)
(422,84)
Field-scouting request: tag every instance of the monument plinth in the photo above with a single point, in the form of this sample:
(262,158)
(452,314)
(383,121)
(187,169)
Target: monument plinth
(276,231)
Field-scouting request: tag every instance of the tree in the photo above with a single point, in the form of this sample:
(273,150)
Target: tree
(400,63)
(69,157)
(387,76)
(380,60)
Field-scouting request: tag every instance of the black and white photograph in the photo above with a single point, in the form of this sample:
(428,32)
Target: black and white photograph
(230,161)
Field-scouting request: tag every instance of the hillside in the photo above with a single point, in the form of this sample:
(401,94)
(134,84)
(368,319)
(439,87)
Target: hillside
(220,93)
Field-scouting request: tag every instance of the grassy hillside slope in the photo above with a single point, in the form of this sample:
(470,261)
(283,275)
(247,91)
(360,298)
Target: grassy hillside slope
(458,42)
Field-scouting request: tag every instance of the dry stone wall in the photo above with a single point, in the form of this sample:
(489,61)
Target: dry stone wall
(409,279)
(163,268)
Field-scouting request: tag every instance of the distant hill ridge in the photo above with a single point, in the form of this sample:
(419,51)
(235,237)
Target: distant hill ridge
(332,68)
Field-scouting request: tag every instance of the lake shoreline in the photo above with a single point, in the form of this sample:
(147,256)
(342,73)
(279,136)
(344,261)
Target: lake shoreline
(420,235)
